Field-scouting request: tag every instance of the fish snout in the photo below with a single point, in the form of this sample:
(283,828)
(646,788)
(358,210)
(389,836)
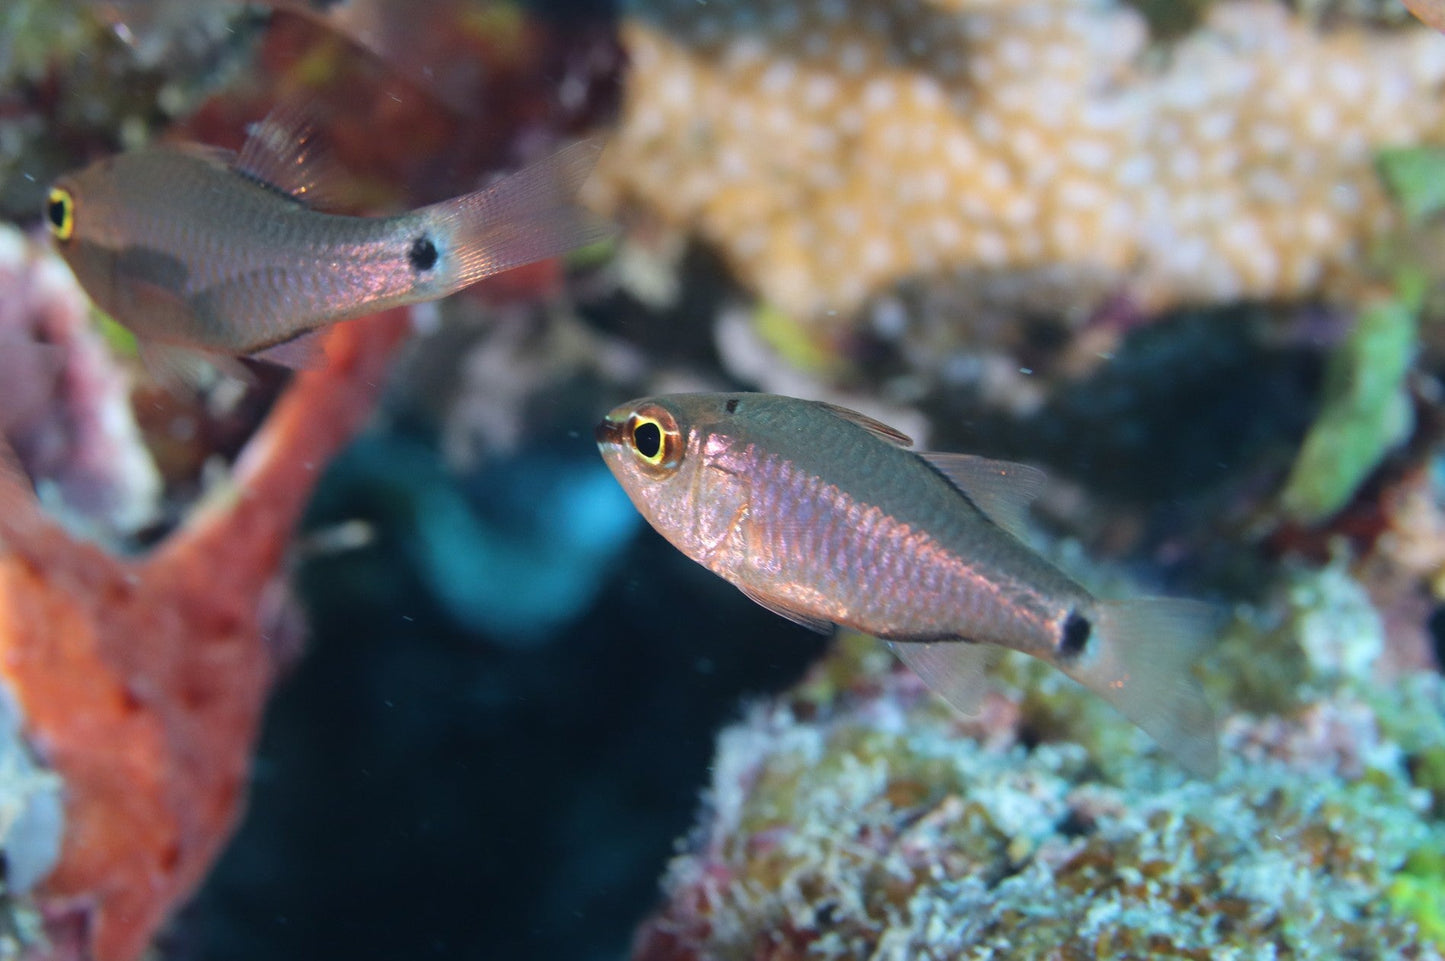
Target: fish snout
(609,432)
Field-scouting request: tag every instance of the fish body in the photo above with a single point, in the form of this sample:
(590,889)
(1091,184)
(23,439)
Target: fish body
(825,516)
(196,249)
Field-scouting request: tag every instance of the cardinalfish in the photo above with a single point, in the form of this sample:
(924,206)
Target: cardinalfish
(196,250)
(824,516)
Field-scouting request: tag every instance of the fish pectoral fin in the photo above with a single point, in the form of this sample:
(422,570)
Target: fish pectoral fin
(285,152)
(1001,489)
(956,671)
(875,427)
(813,623)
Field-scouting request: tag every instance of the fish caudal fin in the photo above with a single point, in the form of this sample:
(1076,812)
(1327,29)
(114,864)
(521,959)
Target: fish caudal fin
(528,216)
(1141,658)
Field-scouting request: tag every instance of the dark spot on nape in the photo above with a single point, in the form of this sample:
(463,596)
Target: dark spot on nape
(1076,635)
(423,254)
(732,405)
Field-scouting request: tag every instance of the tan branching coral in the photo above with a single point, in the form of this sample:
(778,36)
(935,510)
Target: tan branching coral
(831,148)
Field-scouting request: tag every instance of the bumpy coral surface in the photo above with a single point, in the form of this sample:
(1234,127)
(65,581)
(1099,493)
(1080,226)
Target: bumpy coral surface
(832,148)
(141,681)
(64,402)
(867,822)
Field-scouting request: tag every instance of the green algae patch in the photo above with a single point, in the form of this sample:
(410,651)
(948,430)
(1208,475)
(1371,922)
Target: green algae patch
(1416,179)
(796,344)
(1366,411)
(1418,893)
(117,337)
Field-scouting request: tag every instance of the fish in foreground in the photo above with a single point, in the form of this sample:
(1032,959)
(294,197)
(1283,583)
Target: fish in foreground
(196,250)
(824,516)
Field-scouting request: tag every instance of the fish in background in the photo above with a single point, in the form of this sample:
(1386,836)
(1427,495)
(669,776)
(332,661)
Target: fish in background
(824,516)
(199,252)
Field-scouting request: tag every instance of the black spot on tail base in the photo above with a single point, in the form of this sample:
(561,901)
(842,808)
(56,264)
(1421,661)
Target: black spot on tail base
(423,254)
(732,405)
(1075,637)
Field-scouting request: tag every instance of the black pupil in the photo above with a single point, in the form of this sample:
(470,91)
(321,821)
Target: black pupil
(57,213)
(423,254)
(647,438)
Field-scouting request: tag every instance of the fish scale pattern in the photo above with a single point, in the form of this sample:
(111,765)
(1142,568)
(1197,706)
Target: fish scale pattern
(850,558)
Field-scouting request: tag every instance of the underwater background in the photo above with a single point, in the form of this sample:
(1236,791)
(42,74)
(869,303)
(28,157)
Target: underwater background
(376,659)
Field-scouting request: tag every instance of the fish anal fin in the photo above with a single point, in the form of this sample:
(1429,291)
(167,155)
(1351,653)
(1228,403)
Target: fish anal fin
(285,151)
(956,671)
(1001,489)
(305,351)
(813,623)
(875,427)
(1140,657)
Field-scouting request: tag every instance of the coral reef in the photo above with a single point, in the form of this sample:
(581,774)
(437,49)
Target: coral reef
(1431,12)
(141,681)
(65,401)
(857,818)
(832,149)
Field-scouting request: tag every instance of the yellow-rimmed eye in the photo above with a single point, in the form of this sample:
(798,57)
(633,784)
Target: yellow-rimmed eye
(652,432)
(60,213)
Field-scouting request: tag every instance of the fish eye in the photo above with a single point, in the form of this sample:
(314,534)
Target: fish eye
(60,213)
(654,437)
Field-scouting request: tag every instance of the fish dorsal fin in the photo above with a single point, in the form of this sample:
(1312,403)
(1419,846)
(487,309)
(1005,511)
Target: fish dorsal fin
(284,151)
(956,671)
(875,427)
(820,624)
(1002,489)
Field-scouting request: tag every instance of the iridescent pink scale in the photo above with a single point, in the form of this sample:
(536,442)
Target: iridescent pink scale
(821,515)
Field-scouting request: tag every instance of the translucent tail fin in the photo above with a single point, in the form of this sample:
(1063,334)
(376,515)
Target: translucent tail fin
(1141,661)
(529,216)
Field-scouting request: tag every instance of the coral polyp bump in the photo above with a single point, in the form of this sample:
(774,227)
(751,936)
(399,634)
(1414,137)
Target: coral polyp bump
(833,148)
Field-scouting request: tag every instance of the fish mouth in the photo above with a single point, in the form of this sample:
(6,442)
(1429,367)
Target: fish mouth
(609,432)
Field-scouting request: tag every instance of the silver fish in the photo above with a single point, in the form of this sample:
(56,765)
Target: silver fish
(194,249)
(822,515)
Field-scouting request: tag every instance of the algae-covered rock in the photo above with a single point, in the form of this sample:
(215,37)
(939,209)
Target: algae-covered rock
(1366,410)
(872,825)
(858,817)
